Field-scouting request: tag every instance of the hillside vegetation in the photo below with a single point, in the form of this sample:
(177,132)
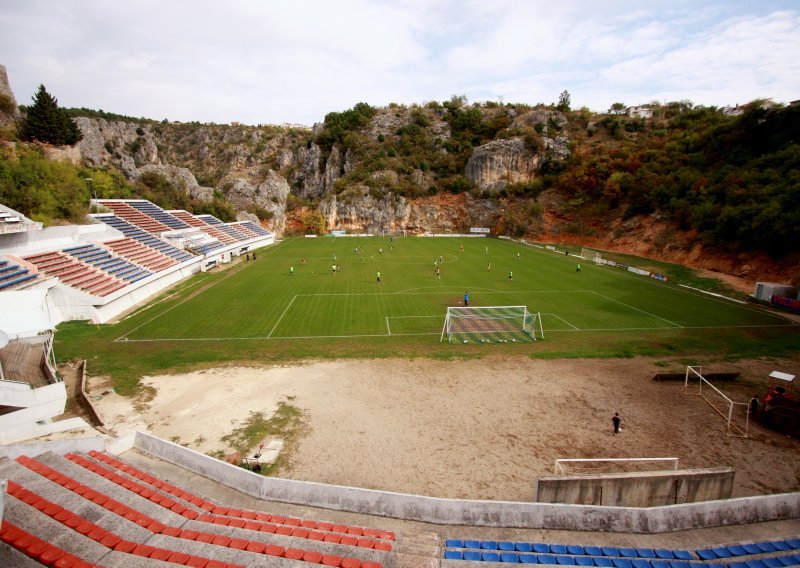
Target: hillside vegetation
(730,183)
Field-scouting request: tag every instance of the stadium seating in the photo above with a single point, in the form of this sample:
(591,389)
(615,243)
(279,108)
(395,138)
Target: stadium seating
(74,272)
(155,212)
(142,255)
(101,258)
(100,513)
(12,275)
(260,231)
(195,221)
(145,238)
(766,554)
(123,210)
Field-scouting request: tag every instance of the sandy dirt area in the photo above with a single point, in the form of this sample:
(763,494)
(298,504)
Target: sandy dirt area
(480,429)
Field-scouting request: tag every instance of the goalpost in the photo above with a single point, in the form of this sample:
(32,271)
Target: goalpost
(736,414)
(491,324)
(592,255)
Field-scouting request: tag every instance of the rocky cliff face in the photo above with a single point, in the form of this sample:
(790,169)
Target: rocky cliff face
(500,162)
(9,112)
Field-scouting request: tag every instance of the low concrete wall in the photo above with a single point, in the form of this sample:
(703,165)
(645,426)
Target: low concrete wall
(642,489)
(3,489)
(84,399)
(56,446)
(477,513)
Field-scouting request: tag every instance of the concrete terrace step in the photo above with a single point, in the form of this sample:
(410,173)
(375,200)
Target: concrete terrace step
(286,536)
(223,543)
(382,540)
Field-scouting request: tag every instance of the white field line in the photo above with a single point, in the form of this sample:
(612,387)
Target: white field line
(262,338)
(562,319)
(638,310)
(125,336)
(388,329)
(164,299)
(714,294)
(280,318)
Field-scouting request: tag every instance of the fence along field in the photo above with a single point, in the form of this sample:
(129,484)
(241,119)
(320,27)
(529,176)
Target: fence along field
(264,300)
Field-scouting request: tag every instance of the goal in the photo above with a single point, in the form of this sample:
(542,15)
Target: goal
(592,255)
(736,414)
(491,324)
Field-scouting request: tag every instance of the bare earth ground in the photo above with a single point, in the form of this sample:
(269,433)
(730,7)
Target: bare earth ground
(479,429)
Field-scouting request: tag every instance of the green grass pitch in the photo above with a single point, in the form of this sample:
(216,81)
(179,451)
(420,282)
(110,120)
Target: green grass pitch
(261,311)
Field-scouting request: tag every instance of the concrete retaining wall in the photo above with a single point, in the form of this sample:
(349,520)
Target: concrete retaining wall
(643,489)
(477,513)
(60,447)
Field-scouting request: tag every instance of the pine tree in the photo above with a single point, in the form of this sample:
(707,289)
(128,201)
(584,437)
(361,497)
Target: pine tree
(46,122)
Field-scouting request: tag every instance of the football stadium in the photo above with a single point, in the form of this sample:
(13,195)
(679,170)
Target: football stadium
(379,400)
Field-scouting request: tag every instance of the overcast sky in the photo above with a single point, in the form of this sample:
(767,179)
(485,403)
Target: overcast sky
(294,61)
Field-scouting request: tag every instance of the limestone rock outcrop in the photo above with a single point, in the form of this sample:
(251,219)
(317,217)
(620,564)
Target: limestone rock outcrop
(269,194)
(9,111)
(500,162)
(182,178)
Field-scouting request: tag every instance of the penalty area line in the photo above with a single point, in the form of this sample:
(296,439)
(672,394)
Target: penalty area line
(280,318)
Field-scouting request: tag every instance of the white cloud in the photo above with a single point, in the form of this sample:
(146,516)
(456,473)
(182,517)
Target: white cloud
(259,62)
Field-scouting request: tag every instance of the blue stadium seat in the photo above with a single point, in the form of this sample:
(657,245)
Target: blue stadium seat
(584,561)
(641,563)
(737,550)
(622,563)
(664,554)
(593,550)
(603,562)
(766,547)
(781,545)
(645,553)
(490,556)
(541,548)
(659,563)
(789,560)
(472,544)
(794,543)
(678,564)
(558,549)
(505,546)
(489,545)
(772,562)
(523,546)
(751,548)
(755,564)
(737,565)
(565,560)
(528,559)
(472,555)
(721,552)
(706,554)
(509,557)
(610,551)
(628,552)
(454,543)
(454,554)
(683,555)
(575,549)
(546,559)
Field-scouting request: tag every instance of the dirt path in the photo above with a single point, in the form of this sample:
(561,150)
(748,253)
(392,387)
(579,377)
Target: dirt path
(474,429)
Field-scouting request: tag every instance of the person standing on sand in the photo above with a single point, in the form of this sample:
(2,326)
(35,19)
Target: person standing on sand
(616,420)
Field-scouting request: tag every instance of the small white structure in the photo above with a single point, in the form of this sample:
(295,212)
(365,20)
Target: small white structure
(31,394)
(641,111)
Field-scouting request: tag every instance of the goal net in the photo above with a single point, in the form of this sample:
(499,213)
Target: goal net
(735,414)
(595,466)
(592,255)
(491,324)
